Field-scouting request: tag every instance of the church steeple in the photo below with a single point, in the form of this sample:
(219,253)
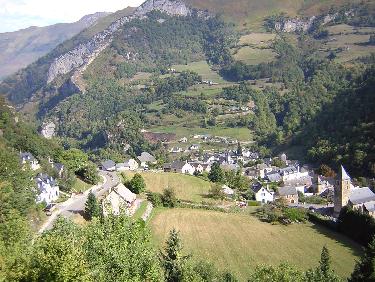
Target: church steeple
(343,174)
(342,190)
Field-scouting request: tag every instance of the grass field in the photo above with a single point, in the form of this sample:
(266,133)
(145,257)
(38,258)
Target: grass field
(187,187)
(240,133)
(239,242)
(203,69)
(254,56)
(81,186)
(257,38)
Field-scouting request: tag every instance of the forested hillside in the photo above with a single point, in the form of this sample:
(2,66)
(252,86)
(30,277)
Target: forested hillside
(187,72)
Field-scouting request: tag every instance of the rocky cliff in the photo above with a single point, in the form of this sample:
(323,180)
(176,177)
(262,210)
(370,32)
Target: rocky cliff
(298,24)
(78,59)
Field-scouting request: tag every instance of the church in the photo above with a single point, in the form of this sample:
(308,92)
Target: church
(361,198)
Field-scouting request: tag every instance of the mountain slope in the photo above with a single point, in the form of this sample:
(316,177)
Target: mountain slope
(22,47)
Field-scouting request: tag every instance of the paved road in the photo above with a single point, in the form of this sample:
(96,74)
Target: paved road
(76,204)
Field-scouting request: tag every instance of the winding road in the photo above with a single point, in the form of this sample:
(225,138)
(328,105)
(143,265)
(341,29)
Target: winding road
(76,204)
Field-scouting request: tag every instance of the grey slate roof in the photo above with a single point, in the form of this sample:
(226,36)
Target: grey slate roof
(27,156)
(146,157)
(177,165)
(256,187)
(274,176)
(108,164)
(361,195)
(288,190)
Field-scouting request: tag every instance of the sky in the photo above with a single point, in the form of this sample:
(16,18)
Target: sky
(19,14)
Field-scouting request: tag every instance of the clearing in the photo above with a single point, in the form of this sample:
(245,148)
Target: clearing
(239,242)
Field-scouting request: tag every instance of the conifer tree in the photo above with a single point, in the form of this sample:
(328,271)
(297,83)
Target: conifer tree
(172,258)
(92,208)
(364,269)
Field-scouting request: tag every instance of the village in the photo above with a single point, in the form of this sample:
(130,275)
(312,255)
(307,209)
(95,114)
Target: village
(268,180)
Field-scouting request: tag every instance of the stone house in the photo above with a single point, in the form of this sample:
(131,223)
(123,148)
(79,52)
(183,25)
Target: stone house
(120,199)
(289,194)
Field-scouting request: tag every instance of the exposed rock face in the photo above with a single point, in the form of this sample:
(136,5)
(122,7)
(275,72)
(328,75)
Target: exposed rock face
(171,7)
(297,24)
(48,130)
(293,25)
(80,58)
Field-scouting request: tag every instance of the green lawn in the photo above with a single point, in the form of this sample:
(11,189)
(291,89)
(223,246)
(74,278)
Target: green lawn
(81,186)
(239,242)
(187,187)
(140,211)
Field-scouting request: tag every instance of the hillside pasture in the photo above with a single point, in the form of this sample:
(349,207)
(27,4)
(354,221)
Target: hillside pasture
(254,56)
(239,133)
(203,69)
(239,242)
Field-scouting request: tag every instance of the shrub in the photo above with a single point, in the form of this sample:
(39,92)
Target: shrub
(155,199)
(169,198)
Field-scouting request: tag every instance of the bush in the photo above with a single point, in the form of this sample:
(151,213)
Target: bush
(169,198)
(137,185)
(155,199)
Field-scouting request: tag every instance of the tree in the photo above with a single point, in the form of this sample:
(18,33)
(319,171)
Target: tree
(326,171)
(323,273)
(172,259)
(74,159)
(137,184)
(364,270)
(89,174)
(92,208)
(169,198)
(216,192)
(216,174)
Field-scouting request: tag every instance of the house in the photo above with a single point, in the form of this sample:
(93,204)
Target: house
(194,147)
(145,159)
(59,168)
(28,159)
(131,164)
(183,140)
(273,176)
(120,199)
(208,159)
(206,167)
(292,173)
(108,165)
(361,198)
(289,194)
(262,194)
(198,167)
(323,183)
(180,167)
(47,189)
(227,191)
(176,150)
